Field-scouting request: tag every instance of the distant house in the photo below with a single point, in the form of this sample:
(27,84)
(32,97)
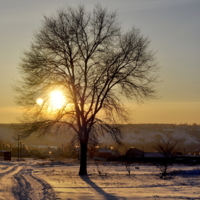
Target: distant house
(134,152)
(102,153)
(177,154)
(5,154)
(153,155)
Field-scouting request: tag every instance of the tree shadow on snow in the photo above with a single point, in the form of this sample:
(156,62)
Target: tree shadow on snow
(99,189)
(190,173)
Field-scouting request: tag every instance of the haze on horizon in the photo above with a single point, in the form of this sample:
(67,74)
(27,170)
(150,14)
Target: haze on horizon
(173,27)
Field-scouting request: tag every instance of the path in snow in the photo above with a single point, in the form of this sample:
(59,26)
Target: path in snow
(7,181)
(40,180)
(17,181)
(31,187)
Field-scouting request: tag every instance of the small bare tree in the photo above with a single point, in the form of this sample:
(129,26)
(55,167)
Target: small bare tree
(102,168)
(167,147)
(128,162)
(87,57)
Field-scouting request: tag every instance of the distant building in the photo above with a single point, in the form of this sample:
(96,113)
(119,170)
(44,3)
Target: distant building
(153,155)
(177,154)
(102,153)
(134,152)
(5,154)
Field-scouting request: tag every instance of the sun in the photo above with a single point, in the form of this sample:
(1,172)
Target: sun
(39,101)
(56,100)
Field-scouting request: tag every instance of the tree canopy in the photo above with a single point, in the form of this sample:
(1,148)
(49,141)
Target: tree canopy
(90,63)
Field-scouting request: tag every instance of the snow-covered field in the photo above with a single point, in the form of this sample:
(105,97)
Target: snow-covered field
(36,179)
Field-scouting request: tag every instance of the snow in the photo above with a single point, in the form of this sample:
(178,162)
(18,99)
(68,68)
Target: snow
(150,136)
(37,179)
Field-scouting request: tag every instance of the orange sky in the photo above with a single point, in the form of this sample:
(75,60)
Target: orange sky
(151,112)
(167,112)
(173,26)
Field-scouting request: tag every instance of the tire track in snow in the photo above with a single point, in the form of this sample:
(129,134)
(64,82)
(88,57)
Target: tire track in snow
(30,187)
(8,171)
(7,182)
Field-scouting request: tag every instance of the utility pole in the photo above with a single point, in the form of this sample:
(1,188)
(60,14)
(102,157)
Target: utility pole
(19,148)
(62,151)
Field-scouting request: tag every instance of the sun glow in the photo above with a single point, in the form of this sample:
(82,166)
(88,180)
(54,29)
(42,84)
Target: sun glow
(39,101)
(56,100)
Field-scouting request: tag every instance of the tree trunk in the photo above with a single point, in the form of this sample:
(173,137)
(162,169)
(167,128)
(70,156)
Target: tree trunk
(83,158)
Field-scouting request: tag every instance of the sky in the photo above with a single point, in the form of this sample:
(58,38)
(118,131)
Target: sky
(173,27)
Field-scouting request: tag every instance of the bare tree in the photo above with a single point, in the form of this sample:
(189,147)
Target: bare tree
(88,57)
(167,147)
(128,162)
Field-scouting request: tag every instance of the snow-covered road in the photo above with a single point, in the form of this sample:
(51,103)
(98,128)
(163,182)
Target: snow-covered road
(7,181)
(18,181)
(46,180)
